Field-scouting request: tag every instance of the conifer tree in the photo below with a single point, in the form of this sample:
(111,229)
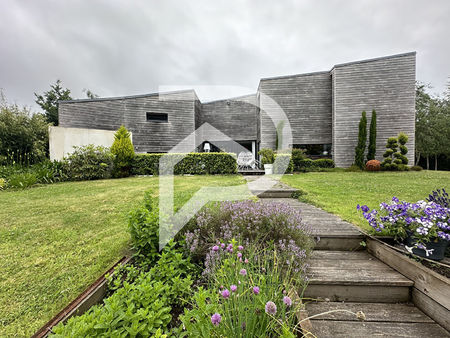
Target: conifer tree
(123,150)
(372,148)
(362,138)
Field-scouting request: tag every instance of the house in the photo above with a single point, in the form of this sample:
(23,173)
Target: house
(323,110)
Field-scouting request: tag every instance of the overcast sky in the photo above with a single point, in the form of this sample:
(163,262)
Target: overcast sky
(123,48)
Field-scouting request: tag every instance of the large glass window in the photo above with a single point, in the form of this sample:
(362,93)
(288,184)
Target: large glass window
(315,150)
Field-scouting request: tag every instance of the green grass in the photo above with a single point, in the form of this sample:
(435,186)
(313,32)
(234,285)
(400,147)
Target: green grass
(57,239)
(340,192)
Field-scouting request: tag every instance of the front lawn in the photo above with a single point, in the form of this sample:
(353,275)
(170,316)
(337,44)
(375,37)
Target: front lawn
(55,240)
(340,192)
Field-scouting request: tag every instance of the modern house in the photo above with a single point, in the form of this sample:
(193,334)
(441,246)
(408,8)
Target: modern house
(323,109)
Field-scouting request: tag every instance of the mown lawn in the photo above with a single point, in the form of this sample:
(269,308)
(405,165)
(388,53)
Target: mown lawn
(57,239)
(340,192)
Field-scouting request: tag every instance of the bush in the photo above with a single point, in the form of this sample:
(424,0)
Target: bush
(313,165)
(249,222)
(373,165)
(283,164)
(395,160)
(192,163)
(123,152)
(88,163)
(2,183)
(22,180)
(362,138)
(298,154)
(416,168)
(353,168)
(267,156)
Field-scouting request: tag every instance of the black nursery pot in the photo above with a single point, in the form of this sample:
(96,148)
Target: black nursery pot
(438,247)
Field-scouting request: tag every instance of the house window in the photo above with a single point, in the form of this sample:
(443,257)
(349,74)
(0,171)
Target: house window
(157,117)
(315,150)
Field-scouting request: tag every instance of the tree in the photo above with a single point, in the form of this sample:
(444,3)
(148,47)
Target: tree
(362,138)
(123,150)
(90,94)
(49,101)
(372,148)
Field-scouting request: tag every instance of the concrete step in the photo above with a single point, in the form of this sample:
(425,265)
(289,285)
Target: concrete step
(274,193)
(354,277)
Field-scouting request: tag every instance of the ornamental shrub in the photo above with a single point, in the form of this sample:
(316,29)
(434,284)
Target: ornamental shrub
(308,165)
(416,168)
(372,148)
(192,163)
(123,152)
(394,157)
(267,156)
(362,138)
(391,148)
(373,165)
(283,161)
(88,163)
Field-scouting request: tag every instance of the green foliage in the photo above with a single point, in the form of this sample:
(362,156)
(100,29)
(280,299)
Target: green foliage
(362,138)
(283,164)
(2,183)
(298,154)
(88,163)
(123,152)
(267,156)
(22,180)
(416,168)
(307,165)
(143,224)
(140,308)
(353,168)
(372,148)
(192,163)
(23,135)
(395,160)
(49,101)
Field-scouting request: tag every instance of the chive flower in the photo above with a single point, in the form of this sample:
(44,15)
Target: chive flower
(287,301)
(243,272)
(233,288)
(215,248)
(216,318)
(256,290)
(225,293)
(271,308)
(240,248)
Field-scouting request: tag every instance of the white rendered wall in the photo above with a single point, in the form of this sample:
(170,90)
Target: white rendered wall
(62,140)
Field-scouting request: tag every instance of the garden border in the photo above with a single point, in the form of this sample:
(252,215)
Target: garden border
(430,291)
(89,297)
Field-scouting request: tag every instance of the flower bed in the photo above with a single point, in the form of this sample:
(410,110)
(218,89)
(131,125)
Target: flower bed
(246,259)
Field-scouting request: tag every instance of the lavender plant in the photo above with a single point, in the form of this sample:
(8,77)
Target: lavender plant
(274,225)
(424,221)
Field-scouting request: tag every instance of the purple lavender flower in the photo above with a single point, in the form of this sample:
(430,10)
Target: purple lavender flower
(233,288)
(216,318)
(225,293)
(243,272)
(271,308)
(256,290)
(287,301)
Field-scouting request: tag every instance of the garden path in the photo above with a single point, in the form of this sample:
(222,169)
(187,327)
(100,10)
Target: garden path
(343,275)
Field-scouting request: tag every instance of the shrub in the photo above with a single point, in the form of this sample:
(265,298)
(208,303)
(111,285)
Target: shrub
(394,157)
(373,165)
(298,154)
(416,168)
(140,308)
(249,222)
(143,224)
(283,164)
(123,152)
(22,180)
(267,156)
(313,165)
(2,183)
(362,138)
(391,148)
(88,163)
(372,148)
(353,168)
(192,163)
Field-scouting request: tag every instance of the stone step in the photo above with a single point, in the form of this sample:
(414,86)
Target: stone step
(274,193)
(354,277)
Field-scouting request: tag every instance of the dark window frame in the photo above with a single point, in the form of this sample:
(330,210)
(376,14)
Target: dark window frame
(157,117)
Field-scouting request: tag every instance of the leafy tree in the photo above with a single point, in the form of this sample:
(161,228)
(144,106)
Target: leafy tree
(372,148)
(362,138)
(49,101)
(23,135)
(123,150)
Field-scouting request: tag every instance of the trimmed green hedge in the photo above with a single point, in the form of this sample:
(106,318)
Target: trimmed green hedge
(313,165)
(192,163)
(283,159)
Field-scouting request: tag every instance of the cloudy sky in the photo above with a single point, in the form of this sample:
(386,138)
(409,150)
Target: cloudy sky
(117,48)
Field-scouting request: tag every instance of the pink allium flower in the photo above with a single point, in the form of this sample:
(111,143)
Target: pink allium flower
(233,288)
(222,245)
(215,248)
(287,301)
(239,255)
(225,293)
(271,308)
(216,318)
(246,261)
(256,290)
(243,272)
(240,248)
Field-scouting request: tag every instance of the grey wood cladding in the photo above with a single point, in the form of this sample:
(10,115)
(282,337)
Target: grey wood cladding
(322,108)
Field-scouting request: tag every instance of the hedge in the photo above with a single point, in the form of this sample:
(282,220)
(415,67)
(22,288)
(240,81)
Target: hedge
(192,163)
(313,165)
(282,160)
